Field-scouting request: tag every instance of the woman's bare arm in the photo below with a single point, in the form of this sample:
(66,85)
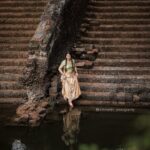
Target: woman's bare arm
(76,71)
(60,69)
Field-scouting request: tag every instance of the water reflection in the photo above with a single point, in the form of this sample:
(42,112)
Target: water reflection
(71,121)
(98,131)
(18,145)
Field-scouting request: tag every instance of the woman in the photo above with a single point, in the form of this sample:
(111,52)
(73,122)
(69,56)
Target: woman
(71,128)
(70,86)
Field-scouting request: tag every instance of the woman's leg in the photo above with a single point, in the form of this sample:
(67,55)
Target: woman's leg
(70,103)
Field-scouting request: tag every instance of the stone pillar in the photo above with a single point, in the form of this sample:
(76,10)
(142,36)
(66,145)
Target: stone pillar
(35,75)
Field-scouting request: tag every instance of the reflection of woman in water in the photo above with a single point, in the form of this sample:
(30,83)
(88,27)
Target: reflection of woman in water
(18,145)
(70,86)
(71,122)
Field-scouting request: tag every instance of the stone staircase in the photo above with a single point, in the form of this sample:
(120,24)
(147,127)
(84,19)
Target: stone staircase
(120,31)
(18,21)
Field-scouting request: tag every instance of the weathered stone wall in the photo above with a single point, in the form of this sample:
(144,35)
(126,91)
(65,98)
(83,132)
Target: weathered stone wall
(55,34)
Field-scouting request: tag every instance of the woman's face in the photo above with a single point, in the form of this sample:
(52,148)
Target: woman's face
(68,56)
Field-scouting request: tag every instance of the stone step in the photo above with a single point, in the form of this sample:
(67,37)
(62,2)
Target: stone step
(14,54)
(115,87)
(113,103)
(16,61)
(94,78)
(30,9)
(22,3)
(123,62)
(18,27)
(93,21)
(93,39)
(16,40)
(121,15)
(9,77)
(13,93)
(12,100)
(105,96)
(107,1)
(119,3)
(9,1)
(118,9)
(124,55)
(124,27)
(11,69)
(117,48)
(118,0)
(10,85)
(97,41)
(117,39)
(26,48)
(20,15)
(111,69)
(114,34)
(121,71)
(14,47)
(20,21)
(26,33)
(107,68)
(108,96)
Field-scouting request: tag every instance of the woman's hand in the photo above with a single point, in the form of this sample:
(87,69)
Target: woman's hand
(76,74)
(63,75)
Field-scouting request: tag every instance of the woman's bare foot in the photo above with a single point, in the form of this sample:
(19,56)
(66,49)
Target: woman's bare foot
(70,104)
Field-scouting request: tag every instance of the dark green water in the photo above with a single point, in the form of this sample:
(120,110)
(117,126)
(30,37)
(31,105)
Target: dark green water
(72,130)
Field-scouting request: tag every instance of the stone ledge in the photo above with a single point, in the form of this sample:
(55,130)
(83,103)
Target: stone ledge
(32,113)
(99,103)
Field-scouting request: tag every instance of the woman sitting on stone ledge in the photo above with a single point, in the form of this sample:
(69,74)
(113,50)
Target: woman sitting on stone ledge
(70,86)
